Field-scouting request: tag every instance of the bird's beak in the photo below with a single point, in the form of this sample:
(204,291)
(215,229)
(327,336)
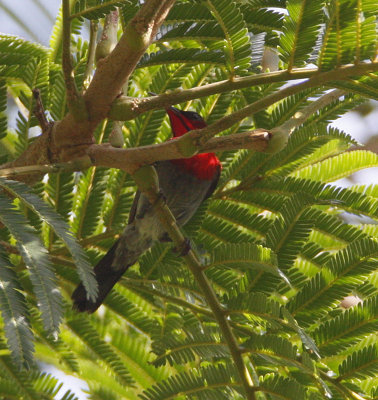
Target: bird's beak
(174,109)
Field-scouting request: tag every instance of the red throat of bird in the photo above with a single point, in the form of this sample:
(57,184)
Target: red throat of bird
(203,166)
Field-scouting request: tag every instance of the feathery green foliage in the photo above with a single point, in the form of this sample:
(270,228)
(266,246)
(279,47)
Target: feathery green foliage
(15,315)
(281,242)
(36,260)
(96,9)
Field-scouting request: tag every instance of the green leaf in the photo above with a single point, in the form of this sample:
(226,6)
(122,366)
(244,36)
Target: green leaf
(252,303)
(244,256)
(283,388)
(15,51)
(360,364)
(96,9)
(271,345)
(348,36)
(60,227)
(300,31)
(200,31)
(339,166)
(20,380)
(129,311)
(88,202)
(136,353)
(14,313)
(207,381)
(337,334)
(202,342)
(183,55)
(185,11)
(86,332)
(236,45)
(342,273)
(241,217)
(36,259)
(365,86)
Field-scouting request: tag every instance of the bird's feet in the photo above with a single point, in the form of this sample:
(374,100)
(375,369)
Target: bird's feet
(161,197)
(184,248)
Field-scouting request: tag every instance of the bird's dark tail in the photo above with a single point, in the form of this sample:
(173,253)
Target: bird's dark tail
(106,278)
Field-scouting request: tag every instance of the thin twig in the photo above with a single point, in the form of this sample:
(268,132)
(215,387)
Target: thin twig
(169,224)
(70,166)
(303,115)
(91,49)
(73,96)
(39,111)
(345,391)
(281,133)
(125,108)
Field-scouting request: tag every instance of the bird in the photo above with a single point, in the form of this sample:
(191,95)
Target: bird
(184,184)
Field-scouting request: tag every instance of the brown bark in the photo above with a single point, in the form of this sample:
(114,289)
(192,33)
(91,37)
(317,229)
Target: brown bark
(72,137)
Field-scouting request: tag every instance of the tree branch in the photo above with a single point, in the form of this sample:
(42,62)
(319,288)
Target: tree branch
(114,70)
(125,108)
(301,116)
(198,138)
(39,111)
(131,159)
(91,50)
(71,89)
(41,169)
(281,133)
(73,134)
(148,184)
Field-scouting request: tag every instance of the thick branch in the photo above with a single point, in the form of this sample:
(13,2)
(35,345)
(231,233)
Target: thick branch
(72,138)
(131,159)
(73,135)
(37,153)
(113,71)
(198,138)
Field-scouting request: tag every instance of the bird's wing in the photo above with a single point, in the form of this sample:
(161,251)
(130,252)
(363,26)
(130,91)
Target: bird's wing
(134,207)
(214,184)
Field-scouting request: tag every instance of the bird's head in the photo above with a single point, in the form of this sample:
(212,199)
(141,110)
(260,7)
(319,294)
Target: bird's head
(184,121)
